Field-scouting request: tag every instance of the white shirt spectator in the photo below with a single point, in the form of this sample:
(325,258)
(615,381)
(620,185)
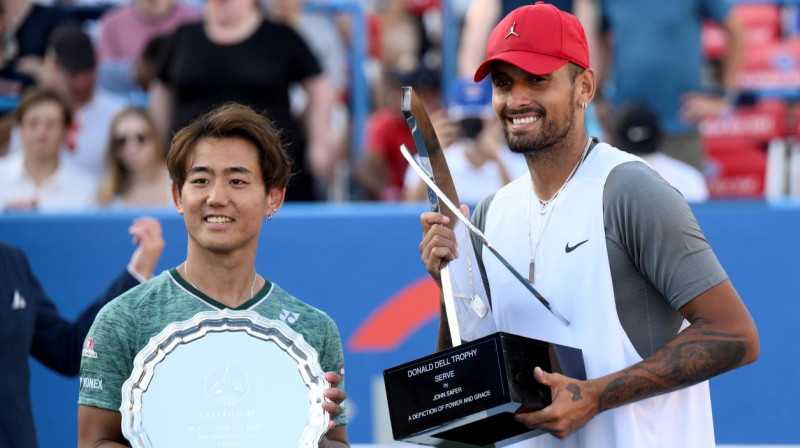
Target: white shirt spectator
(89,133)
(92,125)
(69,188)
(684,177)
(474,183)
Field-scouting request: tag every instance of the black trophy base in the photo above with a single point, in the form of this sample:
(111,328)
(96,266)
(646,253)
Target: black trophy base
(468,395)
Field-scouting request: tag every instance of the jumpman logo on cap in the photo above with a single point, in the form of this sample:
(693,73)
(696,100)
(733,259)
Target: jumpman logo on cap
(511,31)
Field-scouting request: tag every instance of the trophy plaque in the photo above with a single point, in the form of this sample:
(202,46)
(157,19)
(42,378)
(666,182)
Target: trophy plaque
(225,378)
(467,395)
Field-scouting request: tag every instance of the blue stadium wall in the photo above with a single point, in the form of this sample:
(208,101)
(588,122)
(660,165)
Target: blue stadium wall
(360,264)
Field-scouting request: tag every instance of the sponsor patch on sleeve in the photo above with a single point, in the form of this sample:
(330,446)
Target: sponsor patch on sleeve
(88,349)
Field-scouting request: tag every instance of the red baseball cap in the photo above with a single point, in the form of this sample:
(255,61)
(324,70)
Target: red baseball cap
(537,38)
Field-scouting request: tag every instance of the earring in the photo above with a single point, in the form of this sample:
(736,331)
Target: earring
(274,210)
(584,105)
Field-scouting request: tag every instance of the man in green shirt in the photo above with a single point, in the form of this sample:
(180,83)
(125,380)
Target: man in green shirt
(229,172)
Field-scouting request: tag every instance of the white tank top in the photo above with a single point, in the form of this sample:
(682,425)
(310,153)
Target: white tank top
(578,283)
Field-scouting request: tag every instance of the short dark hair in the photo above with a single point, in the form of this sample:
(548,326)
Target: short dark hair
(575,70)
(73,48)
(34,96)
(232,120)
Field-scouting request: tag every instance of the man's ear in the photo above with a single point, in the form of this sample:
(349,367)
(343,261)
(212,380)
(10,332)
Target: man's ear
(176,198)
(275,199)
(587,86)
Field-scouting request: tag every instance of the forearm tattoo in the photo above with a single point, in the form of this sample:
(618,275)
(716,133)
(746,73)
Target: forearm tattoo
(696,356)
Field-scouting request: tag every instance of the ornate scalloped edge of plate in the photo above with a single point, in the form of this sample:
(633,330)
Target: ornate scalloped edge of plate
(255,325)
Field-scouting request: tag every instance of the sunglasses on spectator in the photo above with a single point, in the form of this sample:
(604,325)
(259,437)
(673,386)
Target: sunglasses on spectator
(120,140)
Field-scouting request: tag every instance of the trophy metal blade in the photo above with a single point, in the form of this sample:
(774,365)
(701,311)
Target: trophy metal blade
(435,167)
(430,152)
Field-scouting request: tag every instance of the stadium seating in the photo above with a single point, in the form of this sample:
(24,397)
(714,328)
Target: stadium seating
(736,146)
(737,143)
(762,26)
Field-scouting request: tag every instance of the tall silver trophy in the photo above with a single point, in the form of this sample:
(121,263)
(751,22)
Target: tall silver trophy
(225,379)
(467,395)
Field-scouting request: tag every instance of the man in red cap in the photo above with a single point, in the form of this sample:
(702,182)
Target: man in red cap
(610,244)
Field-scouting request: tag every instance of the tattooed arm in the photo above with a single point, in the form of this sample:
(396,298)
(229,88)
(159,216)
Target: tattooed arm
(721,337)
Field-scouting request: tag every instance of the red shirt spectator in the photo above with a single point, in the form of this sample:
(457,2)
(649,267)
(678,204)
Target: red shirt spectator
(386,131)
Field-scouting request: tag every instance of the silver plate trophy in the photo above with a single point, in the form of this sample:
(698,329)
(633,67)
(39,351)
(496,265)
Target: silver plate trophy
(229,379)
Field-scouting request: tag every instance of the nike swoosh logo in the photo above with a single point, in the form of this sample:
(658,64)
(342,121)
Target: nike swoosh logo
(569,249)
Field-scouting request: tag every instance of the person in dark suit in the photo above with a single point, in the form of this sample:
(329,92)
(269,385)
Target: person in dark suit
(30,324)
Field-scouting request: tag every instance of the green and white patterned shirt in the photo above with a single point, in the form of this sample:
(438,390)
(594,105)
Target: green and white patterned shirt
(125,325)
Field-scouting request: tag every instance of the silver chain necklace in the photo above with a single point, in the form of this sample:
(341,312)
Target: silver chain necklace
(475,302)
(186,273)
(535,248)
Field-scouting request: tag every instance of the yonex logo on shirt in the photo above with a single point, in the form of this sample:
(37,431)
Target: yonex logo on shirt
(289,316)
(91,383)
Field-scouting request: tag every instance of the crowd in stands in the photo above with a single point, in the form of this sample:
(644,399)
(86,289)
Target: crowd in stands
(92,92)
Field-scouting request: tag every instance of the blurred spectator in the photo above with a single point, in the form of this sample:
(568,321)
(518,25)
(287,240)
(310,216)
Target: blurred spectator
(399,42)
(136,172)
(411,28)
(124,33)
(398,48)
(237,55)
(70,70)
(6,126)
(90,6)
(483,15)
(381,170)
(38,177)
(652,52)
(322,35)
(145,66)
(32,326)
(637,132)
(26,29)
(480,162)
